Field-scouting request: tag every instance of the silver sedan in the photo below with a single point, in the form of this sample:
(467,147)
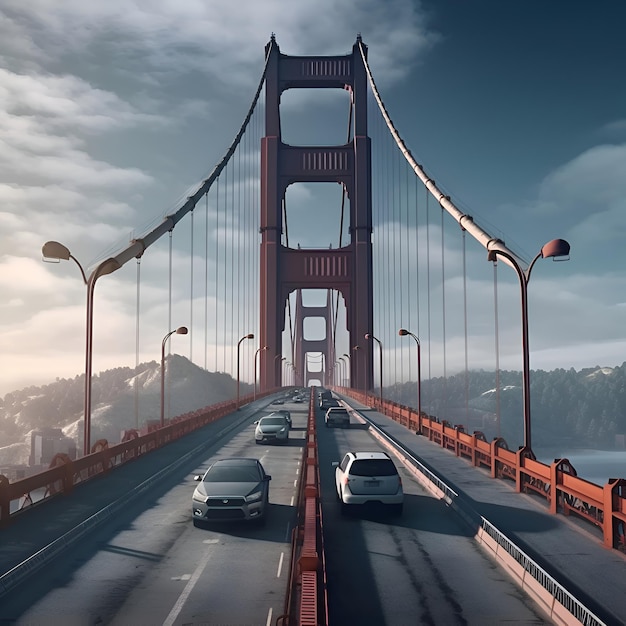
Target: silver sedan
(274,427)
(230,490)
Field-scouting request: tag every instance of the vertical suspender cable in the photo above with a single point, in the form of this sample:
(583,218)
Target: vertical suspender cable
(465,327)
(239,308)
(497,344)
(206,278)
(428,300)
(395,236)
(191,289)
(169,315)
(136,377)
(417,261)
(218,239)
(234,319)
(443,317)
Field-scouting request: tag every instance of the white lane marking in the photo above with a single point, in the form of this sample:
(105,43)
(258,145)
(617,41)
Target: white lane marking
(183,577)
(171,618)
(280,564)
(211,541)
(269,618)
(292,501)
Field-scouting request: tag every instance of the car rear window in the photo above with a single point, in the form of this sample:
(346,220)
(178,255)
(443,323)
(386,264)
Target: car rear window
(373,467)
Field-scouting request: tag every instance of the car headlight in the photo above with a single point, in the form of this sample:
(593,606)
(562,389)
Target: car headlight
(254,497)
(282,430)
(198,497)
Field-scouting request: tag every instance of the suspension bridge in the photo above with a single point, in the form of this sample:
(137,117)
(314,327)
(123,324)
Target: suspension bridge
(386,263)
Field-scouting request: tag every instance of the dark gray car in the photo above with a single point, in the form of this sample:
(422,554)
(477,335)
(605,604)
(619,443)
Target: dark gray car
(230,490)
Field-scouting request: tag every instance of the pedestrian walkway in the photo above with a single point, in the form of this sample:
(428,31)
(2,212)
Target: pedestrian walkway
(568,549)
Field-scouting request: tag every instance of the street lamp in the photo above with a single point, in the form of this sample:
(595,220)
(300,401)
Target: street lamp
(554,248)
(349,372)
(255,366)
(380,348)
(343,370)
(55,251)
(403,332)
(248,336)
(181,330)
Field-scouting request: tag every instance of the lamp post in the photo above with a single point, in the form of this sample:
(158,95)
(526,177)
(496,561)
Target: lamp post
(343,370)
(349,371)
(380,348)
(403,332)
(256,354)
(278,356)
(181,330)
(55,251)
(554,248)
(248,336)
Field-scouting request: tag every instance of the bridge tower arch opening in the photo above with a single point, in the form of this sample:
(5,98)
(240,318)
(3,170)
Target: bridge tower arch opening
(347,269)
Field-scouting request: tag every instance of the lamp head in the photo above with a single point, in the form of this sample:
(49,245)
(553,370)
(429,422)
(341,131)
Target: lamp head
(402,332)
(557,249)
(55,251)
(181,330)
(250,336)
(368,336)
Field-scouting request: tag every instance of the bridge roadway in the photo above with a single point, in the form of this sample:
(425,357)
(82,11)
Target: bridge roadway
(568,549)
(141,566)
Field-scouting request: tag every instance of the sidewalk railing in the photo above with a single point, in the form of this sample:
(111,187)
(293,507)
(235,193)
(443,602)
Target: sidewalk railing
(603,506)
(64,473)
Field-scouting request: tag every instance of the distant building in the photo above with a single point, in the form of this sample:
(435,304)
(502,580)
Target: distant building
(47,442)
(14,472)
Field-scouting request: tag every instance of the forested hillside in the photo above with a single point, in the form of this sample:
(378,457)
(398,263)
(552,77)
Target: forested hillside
(121,398)
(584,408)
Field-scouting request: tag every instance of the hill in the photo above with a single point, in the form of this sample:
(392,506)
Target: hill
(122,398)
(585,408)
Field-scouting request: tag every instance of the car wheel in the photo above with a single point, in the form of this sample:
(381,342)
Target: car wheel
(198,523)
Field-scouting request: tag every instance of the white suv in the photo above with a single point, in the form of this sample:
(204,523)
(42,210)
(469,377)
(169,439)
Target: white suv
(368,477)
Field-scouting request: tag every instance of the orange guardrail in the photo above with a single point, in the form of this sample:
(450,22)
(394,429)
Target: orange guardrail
(64,473)
(602,505)
(307,601)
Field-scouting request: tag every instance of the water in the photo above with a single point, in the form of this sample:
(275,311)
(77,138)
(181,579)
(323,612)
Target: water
(596,466)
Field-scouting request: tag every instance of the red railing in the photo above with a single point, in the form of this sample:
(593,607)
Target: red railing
(566,493)
(64,473)
(307,601)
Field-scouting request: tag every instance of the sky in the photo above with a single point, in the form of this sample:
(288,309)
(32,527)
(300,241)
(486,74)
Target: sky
(111,111)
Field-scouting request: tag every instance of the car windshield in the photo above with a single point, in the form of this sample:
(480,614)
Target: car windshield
(232,474)
(273,421)
(373,467)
